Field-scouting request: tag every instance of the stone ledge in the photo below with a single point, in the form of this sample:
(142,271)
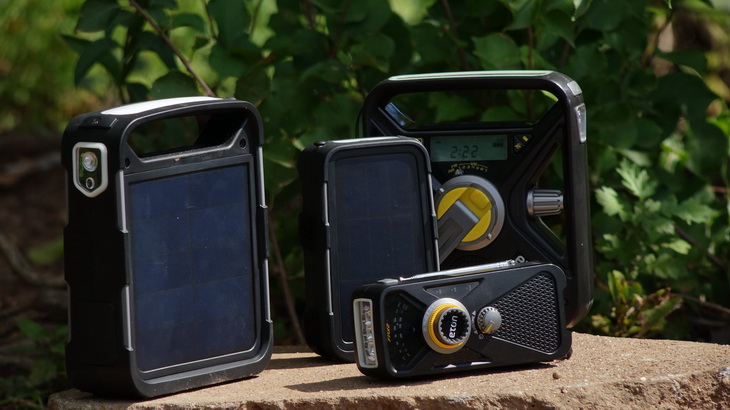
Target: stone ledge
(603,372)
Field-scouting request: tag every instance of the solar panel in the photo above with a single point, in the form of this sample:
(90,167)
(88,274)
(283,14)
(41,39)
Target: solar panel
(378,214)
(191,297)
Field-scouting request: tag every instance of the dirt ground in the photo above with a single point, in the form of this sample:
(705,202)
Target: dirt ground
(32,214)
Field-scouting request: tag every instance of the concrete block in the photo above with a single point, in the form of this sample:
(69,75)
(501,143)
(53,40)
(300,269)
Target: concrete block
(604,372)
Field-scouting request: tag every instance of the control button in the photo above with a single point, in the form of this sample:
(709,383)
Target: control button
(519,142)
(99,121)
(446,325)
(489,320)
(544,202)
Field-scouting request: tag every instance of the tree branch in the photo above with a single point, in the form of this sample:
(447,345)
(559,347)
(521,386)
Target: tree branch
(24,269)
(309,13)
(284,279)
(172,47)
(692,241)
(452,25)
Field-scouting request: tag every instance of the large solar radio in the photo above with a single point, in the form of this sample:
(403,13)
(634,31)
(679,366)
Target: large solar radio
(165,246)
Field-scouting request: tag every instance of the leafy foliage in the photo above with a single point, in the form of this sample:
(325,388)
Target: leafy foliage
(35,66)
(658,133)
(47,369)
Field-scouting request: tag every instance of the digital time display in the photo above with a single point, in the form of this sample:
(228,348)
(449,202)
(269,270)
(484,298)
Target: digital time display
(469,148)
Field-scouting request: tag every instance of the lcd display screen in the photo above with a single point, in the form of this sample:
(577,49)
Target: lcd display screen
(377,207)
(192,267)
(469,148)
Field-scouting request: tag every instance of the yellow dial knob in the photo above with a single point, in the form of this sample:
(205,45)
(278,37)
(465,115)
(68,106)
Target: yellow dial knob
(446,325)
(471,213)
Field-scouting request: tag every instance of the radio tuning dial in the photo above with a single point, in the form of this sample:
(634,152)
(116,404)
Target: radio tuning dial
(446,325)
(470,214)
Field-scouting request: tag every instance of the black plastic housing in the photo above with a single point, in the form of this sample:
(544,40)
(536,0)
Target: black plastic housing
(367,213)
(561,129)
(166,253)
(528,297)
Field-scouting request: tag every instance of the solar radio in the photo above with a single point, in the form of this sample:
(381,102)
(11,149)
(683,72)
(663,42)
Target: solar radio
(165,246)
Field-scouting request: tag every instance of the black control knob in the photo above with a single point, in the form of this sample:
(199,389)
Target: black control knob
(544,202)
(489,320)
(446,325)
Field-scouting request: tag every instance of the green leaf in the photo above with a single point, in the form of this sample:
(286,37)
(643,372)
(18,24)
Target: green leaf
(692,210)
(500,113)
(605,15)
(664,266)
(431,42)
(188,20)
(32,330)
(680,246)
(254,86)
(98,51)
(42,371)
(587,63)
(329,6)
(523,13)
(581,7)
(174,84)
(607,197)
(687,92)
(561,25)
(451,107)
(618,287)
(412,11)
(655,317)
(636,180)
(613,125)
(497,52)
(47,253)
(224,63)
(692,58)
(137,92)
(166,4)
(329,71)
(639,158)
(649,133)
(95,15)
(150,41)
(707,147)
(233,21)
(375,50)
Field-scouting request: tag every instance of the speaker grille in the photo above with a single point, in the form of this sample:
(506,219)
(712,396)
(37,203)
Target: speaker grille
(530,314)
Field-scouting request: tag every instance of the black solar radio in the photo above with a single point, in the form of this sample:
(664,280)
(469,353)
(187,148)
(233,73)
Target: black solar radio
(165,246)
(492,137)
(477,317)
(367,213)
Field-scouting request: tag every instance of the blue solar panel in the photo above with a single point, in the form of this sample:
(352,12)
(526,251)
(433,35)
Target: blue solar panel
(192,267)
(379,223)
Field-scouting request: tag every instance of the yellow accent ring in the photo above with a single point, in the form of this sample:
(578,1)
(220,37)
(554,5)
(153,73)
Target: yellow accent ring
(433,324)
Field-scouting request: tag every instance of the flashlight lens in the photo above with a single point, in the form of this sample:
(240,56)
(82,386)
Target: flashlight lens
(89,161)
(365,335)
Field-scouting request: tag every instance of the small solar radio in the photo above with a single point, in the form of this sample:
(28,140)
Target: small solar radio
(509,163)
(477,317)
(165,247)
(367,214)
